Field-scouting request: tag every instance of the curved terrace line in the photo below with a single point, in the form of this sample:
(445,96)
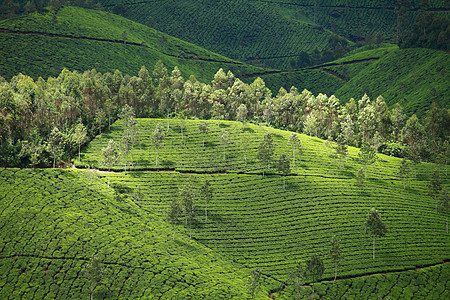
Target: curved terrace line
(56,35)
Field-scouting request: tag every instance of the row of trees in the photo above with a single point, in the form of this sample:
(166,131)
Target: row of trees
(30,110)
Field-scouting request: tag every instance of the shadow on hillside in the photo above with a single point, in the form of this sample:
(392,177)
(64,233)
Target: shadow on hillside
(277,136)
(248,129)
(209,144)
(167,163)
(223,125)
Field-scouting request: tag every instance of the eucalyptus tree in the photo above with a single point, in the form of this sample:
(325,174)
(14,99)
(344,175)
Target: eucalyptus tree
(224,137)
(157,139)
(314,269)
(94,273)
(268,113)
(187,197)
(100,117)
(295,278)
(265,150)
(367,156)
(206,192)
(284,167)
(204,129)
(445,205)
(341,151)
(311,123)
(336,253)
(242,114)
(404,170)
(79,136)
(110,155)
(435,186)
(55,145)
(375,226)
(254,282)
(244,143)
(218,109)
(174,214)
(296,144)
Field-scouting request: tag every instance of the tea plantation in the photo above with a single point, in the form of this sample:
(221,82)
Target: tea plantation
(53,221)
(261,225)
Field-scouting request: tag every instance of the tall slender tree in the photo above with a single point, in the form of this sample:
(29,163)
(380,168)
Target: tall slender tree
(157,139)
(224,137)
(336,253)
(206,192)
(367,156)
(55,145)
(375,226)
(435,186)
(110,155)
(296,144)
(94,273)
(445,204)
(79,136)
(173,214)
(295,278)
(314,269)
(283,167)
(204,129)
(265,150)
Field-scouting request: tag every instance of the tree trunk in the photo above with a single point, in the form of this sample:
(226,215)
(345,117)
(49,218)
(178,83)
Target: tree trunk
(167,121)
(335,272)
(206,209)
(373,247)
(435,200)
(203,140)
(109,175)
(54,161)
(245,156)
(313,291)
(182,133)
(293,154)
(156,157)
(109,121)
(79,155)
(190,229)
(92,289)
(224,153)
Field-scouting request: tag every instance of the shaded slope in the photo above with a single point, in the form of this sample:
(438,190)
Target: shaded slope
(52,221)
(82,39)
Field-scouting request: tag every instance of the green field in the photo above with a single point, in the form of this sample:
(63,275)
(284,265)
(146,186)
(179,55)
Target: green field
(275,230)
(49,231)
(65,216)
(83,39)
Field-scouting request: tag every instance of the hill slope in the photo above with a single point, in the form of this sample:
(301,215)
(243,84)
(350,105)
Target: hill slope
(263,225)
(272,32)
(53,221)
(82,39)
(415,78)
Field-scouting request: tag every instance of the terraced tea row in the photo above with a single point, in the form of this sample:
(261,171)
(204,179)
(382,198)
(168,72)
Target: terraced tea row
(52,222)
(261,225)
(427,283)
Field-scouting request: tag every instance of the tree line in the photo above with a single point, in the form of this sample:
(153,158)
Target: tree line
(31,110)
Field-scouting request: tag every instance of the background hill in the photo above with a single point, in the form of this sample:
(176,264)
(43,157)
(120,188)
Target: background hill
(414,77)
(270,33)
(81,39)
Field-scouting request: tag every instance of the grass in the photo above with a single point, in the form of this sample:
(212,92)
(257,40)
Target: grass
(261,225)
(49,231)
(105,49)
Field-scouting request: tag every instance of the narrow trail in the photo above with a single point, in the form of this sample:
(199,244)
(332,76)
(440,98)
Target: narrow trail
(56,35)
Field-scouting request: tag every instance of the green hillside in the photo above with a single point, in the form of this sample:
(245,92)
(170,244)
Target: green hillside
(66,216)
(270,32)
(415,78)
(53,221)
(262,225)
(82,39)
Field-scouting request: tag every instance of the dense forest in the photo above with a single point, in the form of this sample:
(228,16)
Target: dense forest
(74,107)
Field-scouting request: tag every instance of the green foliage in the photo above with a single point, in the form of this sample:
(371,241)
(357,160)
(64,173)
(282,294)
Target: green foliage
(52,224)
(46,55)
